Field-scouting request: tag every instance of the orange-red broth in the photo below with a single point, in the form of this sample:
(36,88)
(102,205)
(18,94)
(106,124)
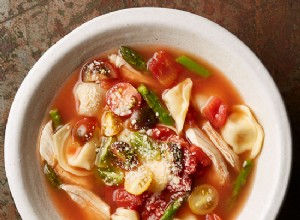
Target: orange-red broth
(216,84)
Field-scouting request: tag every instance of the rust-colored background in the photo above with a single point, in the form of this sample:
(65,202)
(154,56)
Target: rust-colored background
(271,28)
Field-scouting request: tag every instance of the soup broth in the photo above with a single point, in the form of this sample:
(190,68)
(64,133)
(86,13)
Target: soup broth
(157,143)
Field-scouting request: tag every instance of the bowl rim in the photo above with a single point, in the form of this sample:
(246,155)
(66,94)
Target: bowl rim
(12,161)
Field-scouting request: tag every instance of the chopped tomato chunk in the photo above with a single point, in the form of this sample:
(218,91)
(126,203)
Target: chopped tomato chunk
(215,111)
(162,133)
(164,68)
(202,158)
(122,198)
(84,129)
(123,98)
(154,207)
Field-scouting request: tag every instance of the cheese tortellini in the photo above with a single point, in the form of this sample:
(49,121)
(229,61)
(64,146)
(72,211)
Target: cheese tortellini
(242,132)
(177,100)
(79,162)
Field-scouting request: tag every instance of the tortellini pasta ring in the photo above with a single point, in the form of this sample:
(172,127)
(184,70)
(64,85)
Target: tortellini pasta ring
(242,132)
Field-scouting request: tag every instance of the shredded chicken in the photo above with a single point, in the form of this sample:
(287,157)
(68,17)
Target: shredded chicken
(70,178)
(125,214)
(47,145)
(198,138)
(88,201)
(223,147)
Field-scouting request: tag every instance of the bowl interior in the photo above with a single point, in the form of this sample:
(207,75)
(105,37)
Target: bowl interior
(191,33)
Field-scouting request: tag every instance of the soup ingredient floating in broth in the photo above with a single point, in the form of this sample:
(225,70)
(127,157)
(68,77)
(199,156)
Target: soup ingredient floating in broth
(193,66)
(148,139)
(133,58)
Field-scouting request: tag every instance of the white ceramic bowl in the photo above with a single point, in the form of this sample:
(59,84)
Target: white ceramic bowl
(147,26)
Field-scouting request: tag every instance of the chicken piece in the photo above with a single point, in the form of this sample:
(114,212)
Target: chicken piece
(222,146)
(88,201)
(47,144)
(198,138)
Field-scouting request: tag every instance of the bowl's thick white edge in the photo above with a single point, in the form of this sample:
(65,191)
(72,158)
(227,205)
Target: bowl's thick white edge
(13,161)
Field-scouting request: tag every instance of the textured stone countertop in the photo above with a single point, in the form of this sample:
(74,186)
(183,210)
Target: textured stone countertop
(271,28)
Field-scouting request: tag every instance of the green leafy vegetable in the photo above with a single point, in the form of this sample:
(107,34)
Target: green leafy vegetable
(133,58)
(155,104)
(145,147)
(173,207)
(111,176)
(124,155)
(51,176)
(56,118)
(193,66)
(103,155)
(241,180)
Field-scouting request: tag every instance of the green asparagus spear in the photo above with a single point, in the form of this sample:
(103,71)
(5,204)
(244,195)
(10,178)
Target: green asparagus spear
(51,176)
(193,66)
(133,58)
(241,180)
(172,208)
(102,156)
(153,101)
(56,118)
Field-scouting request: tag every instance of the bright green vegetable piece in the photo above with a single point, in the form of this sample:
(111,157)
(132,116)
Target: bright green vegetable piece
(145,147)
(133,58)
(56,118)
(51,176)
(111,176)
(241,179)
(172,208)
(103,154)
(154,103)
(193,66)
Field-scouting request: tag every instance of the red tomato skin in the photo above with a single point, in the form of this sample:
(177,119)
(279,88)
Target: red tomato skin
(101,64)
(216,111)
(122,198)
(153,208)
(202,158)
(164,68)
(162,133)
(84,129)
(123,98)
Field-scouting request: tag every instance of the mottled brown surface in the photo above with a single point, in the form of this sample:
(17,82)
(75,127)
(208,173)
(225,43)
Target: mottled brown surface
(271,28)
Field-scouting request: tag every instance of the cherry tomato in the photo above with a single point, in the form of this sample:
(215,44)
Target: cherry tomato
(123,98)
(97,70)
(162,133)
(138,181)
(84,129)
(203,199)
(122,198)
(202,158)
(143,118)
(215,111)
(164,68)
